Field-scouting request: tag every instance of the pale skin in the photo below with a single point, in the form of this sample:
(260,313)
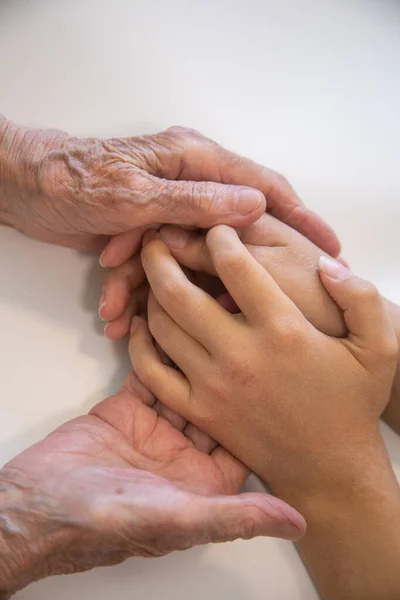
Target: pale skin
(308,426)
(77,192)
(128,479)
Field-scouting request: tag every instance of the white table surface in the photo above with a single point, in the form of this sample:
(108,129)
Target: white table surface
(309,87)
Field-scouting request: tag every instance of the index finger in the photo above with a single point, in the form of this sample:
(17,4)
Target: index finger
(190,307)
(253,289)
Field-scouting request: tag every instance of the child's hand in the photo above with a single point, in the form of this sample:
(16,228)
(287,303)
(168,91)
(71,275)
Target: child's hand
(289,257)
(298,407)
(292,403)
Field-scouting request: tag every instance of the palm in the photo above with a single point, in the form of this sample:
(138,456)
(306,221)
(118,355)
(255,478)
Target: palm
(125,431)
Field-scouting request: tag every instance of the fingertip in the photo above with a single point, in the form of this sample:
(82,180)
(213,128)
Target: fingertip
(148,236)
(174,237)
(333,268)
(121,247)
(219,231)
(249,201)
(287,522)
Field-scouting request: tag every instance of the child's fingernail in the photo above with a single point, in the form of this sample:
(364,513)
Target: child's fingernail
(102,303)
(174,237)
(333,268)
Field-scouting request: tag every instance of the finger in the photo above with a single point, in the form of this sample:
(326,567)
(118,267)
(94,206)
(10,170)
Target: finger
(202,203)
(124,409)
(121,247)
(165,383)
(118,286)
(235,472)
(190,307)
(180,519)
(134,387)
(186,353)
(202,442)
(364,311)
(169,415)
(188,248)
(226,518)
(219,164)
(119,328)
(252,288)
(137,305)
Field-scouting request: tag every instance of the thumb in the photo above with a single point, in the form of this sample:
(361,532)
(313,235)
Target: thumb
(227,518)
(364,311)
(204,204)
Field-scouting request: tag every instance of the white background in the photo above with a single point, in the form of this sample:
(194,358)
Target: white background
(308,87)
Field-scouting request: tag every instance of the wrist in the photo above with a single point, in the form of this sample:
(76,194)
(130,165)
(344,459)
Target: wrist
(352,544)
(344,482)
(22,153)
(31,532)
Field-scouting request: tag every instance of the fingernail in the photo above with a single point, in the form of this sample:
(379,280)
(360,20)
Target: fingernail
(248,201)
(290,532)
(106,326)
(333,268)
(102,257)
(134,324)
(175,238)
(102,303)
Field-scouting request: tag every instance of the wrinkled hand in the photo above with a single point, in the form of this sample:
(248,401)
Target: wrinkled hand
(73,192)
(70,191)
(124,481)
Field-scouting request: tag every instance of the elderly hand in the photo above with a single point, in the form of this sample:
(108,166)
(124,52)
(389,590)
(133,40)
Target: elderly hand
(123,481)
(73,192)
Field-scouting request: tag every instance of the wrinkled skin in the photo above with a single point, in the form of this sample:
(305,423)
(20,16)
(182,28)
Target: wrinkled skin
(77,192)
(125,481)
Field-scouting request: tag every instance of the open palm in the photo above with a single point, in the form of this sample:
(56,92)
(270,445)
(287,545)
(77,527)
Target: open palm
(125,481)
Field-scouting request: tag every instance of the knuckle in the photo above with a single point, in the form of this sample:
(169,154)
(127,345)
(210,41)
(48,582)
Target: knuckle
(367,292)
(389,348)
(288,333)
(156,324)
(281,180)
(143,369)
(231,261)
(182,131)
(172,291)
(248,527)
(205,195)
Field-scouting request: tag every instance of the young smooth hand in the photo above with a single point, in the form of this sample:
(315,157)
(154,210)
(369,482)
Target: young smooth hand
(290,258)
(299,407)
